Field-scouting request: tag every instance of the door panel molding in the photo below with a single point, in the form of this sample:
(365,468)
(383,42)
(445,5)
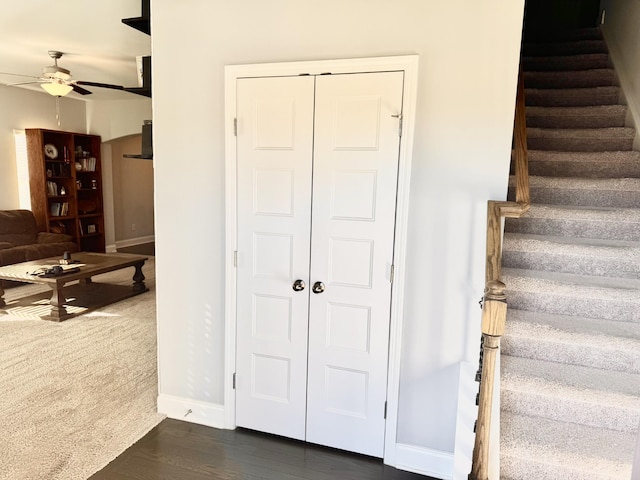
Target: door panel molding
(409,65)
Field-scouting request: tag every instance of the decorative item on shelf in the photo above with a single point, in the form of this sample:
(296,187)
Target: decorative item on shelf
(87,206)
(79,184)
(63,191)
(58,227)
(49,173)
(51,151)
(78,166)
(91,228)
(94,183)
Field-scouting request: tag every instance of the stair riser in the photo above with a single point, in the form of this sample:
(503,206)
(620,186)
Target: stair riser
(571,62)
(570,144)
(550,302)
(614,169)
(581,197)
(551,351)
(580,98)
(581,265)
(565,48)
(574,35)
(562,409)
(575,228)
(579,79)
(576,121)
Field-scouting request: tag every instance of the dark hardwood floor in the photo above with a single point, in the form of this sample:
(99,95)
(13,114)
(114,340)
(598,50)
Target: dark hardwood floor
(140,249)
(176,450)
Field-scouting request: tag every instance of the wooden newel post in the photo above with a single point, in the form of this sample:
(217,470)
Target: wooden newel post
(494,315)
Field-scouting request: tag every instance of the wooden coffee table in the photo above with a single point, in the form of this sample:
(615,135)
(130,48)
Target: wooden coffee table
(91,264)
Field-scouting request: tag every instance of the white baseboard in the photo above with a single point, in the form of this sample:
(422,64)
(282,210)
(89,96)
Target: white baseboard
(189,410)
(424,461)
(130,242)
(111,248)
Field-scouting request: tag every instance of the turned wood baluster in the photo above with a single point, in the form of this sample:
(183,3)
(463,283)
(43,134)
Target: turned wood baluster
(494,314)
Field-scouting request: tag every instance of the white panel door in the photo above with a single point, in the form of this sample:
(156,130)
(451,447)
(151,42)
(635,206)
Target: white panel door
(316,203)
(354,203)
(274,145)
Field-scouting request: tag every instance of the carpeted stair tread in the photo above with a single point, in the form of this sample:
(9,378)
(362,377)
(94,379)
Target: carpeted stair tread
(572,97)
(572,324)
(586,61)
(603,223)
(535,252)
(537,396)
(595,116)
(607,298)
(540,341)
(581,139)
(619,164)
(598,77)
(575,47)
(589,192)
(577,377)
(543,449)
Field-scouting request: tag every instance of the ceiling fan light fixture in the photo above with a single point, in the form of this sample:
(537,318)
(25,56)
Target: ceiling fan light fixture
(57,89)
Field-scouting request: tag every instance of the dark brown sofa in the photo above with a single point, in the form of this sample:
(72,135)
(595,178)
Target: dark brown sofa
(20,240)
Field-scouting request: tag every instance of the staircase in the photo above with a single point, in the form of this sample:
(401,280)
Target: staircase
(570,376)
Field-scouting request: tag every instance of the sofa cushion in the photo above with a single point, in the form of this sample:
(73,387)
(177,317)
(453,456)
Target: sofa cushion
(13,255)
(18,227)
(46,250)
(5,245)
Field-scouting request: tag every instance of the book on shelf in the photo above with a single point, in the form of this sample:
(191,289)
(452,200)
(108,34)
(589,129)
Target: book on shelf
(88,164)
(52,188)
(59,209)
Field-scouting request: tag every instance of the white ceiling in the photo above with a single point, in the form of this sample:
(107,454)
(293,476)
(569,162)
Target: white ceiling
(97,46)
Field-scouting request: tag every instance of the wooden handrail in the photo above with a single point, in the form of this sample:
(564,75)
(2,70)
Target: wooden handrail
(494,307)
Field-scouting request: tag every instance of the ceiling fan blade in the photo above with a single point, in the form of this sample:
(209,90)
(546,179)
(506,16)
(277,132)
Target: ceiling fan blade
(18,75)
(101,85)
(23,83)
(80,90)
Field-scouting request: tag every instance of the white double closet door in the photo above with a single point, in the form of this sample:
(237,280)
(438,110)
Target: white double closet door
(317,160)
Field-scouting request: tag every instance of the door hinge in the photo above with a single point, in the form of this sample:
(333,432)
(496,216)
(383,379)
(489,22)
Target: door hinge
(392,274)
(399,117)
(235,258)
(234,380)
(235,127)
(385,410)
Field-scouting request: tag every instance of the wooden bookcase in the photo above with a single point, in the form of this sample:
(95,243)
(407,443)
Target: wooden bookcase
(65,179)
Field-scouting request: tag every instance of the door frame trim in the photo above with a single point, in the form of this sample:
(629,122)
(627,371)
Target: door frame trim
(406,63)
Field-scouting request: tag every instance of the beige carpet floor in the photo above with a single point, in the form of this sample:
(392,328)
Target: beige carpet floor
(75,394)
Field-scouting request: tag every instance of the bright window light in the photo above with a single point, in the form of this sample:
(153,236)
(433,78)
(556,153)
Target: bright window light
(22,169)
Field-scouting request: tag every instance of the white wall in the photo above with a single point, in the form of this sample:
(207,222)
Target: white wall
(132,190)
(22,109)
(111,120)
(623,38)
(468,68)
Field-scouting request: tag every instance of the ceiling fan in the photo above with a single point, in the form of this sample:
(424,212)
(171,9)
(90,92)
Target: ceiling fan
(57,81)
